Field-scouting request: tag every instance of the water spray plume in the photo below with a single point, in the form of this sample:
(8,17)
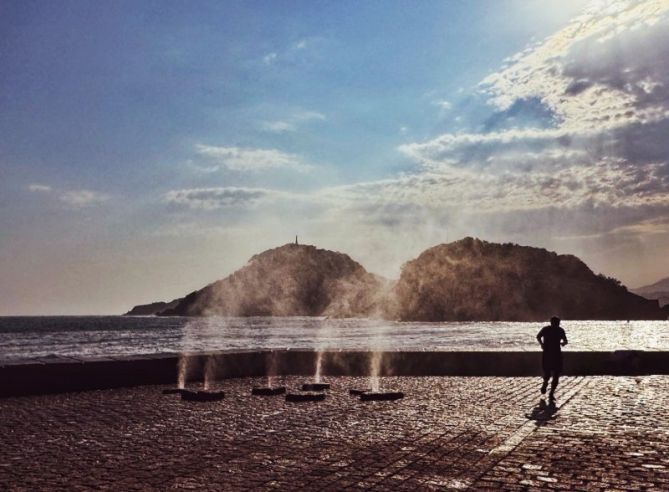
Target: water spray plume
(271,368)
(375,370)
(209,372)
(181,376)
(291,280)
(319,366)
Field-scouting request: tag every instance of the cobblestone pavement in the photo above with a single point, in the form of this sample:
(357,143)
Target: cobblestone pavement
(448,432)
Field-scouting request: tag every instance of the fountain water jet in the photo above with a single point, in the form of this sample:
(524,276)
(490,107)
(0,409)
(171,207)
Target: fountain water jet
(270,389)
(317,384)
(207,365)
(375,370)
(272,368)
(209,372)
(182,368)
(376,394)
(319,366)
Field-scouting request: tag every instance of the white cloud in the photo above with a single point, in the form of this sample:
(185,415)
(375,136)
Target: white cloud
(37,187)
(597,71)
(453,149)
(292,121)
(269,58)
(603,87)
(594,164)
(249,159)
(300,51)
(305,116)
(443,104)
(597,155)
(610,184)
(73,198)
(278,126)
(82,198)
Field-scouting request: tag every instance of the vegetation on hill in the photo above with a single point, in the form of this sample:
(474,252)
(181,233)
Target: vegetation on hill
(467,280)
(292,280)
(473,279)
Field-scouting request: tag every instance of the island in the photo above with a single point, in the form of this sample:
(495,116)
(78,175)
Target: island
(466,280)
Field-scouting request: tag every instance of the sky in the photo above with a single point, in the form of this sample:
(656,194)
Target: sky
(149,148)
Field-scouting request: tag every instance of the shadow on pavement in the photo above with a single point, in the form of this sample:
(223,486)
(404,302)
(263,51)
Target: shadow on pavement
(542,412)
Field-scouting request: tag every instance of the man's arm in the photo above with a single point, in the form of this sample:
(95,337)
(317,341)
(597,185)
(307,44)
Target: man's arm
(564,338)
(539,338)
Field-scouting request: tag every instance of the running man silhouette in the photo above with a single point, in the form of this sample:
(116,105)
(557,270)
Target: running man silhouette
(552,338)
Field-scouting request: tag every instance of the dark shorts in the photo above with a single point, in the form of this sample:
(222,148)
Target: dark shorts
(552,362)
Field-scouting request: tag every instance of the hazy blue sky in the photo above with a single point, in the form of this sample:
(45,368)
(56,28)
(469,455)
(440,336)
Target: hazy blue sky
(148,148)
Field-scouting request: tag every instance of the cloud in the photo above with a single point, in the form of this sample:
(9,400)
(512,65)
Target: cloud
(304,116)
(575,133)
(82,198)
(269,58)
(298,52)
(604,69)
(215,198)
(595,104)
(464,149)
(278,126)
(646,227)
(610,183)
(570,150)
(73,198)
(292,122)
(251,160)
(41,188)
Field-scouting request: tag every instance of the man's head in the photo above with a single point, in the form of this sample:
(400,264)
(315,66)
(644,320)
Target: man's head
(555,321)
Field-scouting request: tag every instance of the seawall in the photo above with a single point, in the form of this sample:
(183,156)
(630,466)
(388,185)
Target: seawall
(57,375)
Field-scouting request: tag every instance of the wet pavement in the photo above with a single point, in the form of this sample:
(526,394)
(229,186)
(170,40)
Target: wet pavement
(605,433)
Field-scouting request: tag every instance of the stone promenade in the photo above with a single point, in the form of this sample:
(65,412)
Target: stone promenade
(607,433)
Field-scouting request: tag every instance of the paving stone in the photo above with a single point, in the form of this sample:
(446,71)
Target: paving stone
(448,432)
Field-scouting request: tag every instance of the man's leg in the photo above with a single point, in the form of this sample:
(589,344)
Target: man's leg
(547,376)
(554,383)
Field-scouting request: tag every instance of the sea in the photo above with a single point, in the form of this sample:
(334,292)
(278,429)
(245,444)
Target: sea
(82,337)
